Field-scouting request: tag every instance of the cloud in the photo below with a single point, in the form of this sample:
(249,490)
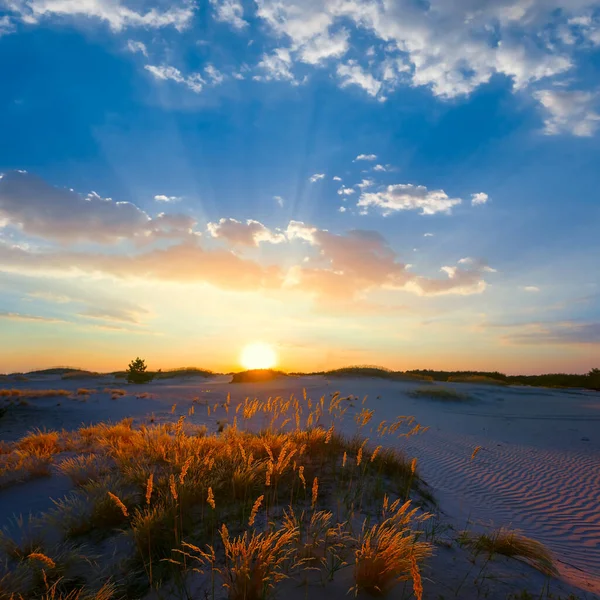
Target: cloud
(342,209)
(250,233)
(380,168)
(134,47)
(276,67)
(39,209)
(61,215)
(350,265)
(408,197)
(365,183)
(336,178)
(229,11)
(14,316)
(317,177)
(345,191)
(564,333)
(298,230)
(570,112)
(463,279)
(214,75)
(450,48)
(163,198)
(6,25)
(351,73)
(115,13)
(366,157)
(531,288)
(184,262)
(280,201)
(428,235)
(479,198)
(194,82)
(323,47)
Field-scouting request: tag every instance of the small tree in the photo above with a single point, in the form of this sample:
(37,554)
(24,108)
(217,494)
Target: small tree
(594,376)
(136,372)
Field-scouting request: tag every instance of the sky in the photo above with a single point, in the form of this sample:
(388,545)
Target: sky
(404,183)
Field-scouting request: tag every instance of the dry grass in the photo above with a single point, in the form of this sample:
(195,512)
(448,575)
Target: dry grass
(166,491)
(32,394)
(85,391)
(389,552)
(512,543)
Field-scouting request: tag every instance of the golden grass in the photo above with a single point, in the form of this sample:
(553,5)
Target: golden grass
(513,543)
(389,552)
(169,489)
(32,394)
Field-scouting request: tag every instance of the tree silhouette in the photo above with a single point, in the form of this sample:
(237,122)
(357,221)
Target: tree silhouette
(136,372)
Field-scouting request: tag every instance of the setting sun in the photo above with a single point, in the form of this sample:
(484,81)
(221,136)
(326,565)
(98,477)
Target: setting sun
(258,356)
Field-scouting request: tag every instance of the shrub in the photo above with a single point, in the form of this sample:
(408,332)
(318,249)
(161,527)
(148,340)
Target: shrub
(136,372)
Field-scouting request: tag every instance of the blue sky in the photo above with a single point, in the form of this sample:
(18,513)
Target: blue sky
(351,181)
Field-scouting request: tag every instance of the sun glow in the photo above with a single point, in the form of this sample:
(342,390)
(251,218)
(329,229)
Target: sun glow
(258,356)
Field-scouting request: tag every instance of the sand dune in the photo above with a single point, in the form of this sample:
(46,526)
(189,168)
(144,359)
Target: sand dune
(538,470)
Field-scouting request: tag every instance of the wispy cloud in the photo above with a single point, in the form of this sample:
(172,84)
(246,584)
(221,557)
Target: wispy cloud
(137,47)
(366,157)
(570,112)
(401,197)
(317,177)
(229,11)
(163,198)
(194,81)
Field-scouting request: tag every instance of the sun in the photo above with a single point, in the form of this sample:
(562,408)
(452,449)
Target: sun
(258,356)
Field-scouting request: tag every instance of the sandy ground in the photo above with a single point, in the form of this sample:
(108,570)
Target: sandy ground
(538,470)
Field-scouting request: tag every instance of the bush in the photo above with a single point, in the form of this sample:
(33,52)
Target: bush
(136,372)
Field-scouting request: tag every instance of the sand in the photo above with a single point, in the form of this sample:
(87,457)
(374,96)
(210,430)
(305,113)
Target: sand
(538,469)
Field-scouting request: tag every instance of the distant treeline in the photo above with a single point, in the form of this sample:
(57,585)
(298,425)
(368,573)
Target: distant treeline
(590,380)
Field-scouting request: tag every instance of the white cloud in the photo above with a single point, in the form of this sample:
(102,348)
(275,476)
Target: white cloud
(317,177)
(323,47)
(115,13)
(452,48)
(194,81)
(163,198)
(365,183)
(380,168)
(336,178)
(479,198)
(573,112)
(428,235)
(134,47)
(366,157)
(214,75)
(531,288)
(297,230)
(409,197)
(280,201)
(6,25)
(250,233)
(345,191)
(342,209)
(276,66)
(351,73)
(229,11)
